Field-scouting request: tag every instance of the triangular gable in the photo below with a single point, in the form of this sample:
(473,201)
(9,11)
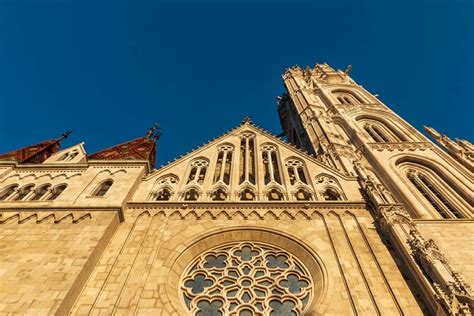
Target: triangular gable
(247,123)
(73,154)
(207,169)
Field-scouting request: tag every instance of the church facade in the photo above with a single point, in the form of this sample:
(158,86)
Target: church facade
(354,213)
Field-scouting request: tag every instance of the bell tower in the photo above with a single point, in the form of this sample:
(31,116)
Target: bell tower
(326,113)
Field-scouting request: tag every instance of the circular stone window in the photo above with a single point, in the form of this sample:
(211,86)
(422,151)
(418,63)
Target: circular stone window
(246,278)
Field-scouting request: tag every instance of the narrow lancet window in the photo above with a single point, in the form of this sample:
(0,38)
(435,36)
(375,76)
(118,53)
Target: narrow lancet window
(247,159)
(57,191)
(24,192)
(104,188)
(7,192)
(270,164)
(223,164)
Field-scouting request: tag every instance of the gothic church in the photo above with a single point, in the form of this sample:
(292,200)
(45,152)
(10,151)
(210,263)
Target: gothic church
(354,213)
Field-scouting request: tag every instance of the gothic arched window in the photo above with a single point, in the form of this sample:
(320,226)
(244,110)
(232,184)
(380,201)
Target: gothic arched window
(331,194)
(275,195)
(23,192)
(430,192)
(8,191)
(296,171)
(347,97)
(40,192)
(163,195)
(198,171)
(191,195)
(223,164)
(303,195)
(270,164)
(247,195)
(247,158)
(219,195)
(103,188)
(56,192)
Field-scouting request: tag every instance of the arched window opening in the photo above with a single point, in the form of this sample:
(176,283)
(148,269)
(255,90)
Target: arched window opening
(331,195)
(198,171)
(219,195)
(296,171)
(57,192)
(223,165)
(163,195)
(247,195)
(270,164)
(70,155)
(191,195)
(247,158)
(380,134)
(345,97)
(275,195)
(103,188)
(40,192)
(24,192)
(303,195)
(432,195)
(7,192)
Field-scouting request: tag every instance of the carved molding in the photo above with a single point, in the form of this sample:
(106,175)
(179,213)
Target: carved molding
(44,217)
(401,146)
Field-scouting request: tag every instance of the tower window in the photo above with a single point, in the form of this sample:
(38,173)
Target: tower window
(104,188)
(437,200)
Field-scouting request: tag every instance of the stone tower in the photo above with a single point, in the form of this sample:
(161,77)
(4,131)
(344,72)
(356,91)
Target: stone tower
(356,214)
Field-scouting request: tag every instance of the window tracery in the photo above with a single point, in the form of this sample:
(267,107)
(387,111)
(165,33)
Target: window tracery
(243,278)
(164,188)
(275,194)
(329,188)
(270,164)
(432,194)
(296,171)
(198,171)
(247,158)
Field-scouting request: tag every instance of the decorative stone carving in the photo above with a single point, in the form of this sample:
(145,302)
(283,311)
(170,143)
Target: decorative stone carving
(401,146)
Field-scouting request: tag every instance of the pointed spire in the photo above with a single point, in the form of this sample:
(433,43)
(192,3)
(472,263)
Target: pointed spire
(143,148)
(35,153)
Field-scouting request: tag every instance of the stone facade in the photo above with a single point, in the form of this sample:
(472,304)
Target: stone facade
(358,213)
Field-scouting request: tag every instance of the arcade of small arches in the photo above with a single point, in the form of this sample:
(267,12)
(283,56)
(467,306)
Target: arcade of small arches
(45,191)
(275,175)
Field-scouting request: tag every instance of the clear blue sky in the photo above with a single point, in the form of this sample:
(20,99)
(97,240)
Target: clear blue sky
(110,69)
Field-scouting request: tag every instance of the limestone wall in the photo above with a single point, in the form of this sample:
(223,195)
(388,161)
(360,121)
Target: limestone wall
(141,270)
(46,257)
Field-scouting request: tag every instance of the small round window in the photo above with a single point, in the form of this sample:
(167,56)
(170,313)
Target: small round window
(246,278)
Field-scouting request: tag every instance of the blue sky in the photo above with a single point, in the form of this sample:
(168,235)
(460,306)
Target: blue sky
(110,69)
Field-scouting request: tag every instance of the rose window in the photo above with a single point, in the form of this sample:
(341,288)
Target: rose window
(246,278)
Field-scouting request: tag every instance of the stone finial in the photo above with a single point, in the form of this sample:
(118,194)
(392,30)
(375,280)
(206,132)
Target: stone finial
(348,70)
(246,120)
